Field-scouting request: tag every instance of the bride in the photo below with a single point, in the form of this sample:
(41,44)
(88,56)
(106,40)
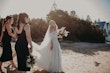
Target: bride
(49,52)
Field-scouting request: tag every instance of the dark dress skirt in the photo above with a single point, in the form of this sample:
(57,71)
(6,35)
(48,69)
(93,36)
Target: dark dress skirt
(7,51)
(21,48)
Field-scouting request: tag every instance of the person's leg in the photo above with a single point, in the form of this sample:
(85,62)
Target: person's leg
(19,71)
(1,67)
(23,71)
(13,64)
(14,55)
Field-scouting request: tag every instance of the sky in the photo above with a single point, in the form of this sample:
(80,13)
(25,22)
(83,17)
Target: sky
(40,8)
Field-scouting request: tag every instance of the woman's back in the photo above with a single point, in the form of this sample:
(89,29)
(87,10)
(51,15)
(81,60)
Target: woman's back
(22,38)
(6,36)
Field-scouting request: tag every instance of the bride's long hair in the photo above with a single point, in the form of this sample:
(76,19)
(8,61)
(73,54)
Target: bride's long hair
(47,37)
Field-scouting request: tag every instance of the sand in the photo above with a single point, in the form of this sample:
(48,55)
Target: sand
(78,58)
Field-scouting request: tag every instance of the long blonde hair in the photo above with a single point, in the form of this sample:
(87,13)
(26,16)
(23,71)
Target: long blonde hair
(53,23)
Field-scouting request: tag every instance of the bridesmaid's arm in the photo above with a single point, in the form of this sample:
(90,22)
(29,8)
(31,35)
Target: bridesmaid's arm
(18,31)
(28,36)
(1,37)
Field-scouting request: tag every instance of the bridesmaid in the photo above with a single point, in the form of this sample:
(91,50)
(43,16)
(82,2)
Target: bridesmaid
(24,39)
(6,41)
(1,24)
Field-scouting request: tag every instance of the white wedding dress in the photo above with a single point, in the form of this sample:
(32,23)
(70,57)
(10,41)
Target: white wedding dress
(48,59)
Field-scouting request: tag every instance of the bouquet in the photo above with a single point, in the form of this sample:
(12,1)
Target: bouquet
(62,32)
(30,61)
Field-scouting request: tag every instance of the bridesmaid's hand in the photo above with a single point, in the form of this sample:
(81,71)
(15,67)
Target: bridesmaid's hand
(16,29)
(15,36)
(30,50)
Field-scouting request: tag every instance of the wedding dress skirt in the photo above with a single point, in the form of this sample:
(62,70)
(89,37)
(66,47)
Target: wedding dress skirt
(48,59)
(48,54)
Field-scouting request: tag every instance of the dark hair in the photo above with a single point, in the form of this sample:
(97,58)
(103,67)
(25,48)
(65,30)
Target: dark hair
(2,21)
(1,24)
(22,18)
(7,18)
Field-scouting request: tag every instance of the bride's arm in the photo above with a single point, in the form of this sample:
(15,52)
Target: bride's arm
(51,47)
(51,30)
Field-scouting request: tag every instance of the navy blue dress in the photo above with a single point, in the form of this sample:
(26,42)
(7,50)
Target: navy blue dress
(21,48)
(7,51)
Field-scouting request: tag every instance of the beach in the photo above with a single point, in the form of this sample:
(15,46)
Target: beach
(77,58)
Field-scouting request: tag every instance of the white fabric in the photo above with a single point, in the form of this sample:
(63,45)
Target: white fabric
(46,58)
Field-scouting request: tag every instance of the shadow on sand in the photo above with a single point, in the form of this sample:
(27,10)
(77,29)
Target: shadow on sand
(85,48)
